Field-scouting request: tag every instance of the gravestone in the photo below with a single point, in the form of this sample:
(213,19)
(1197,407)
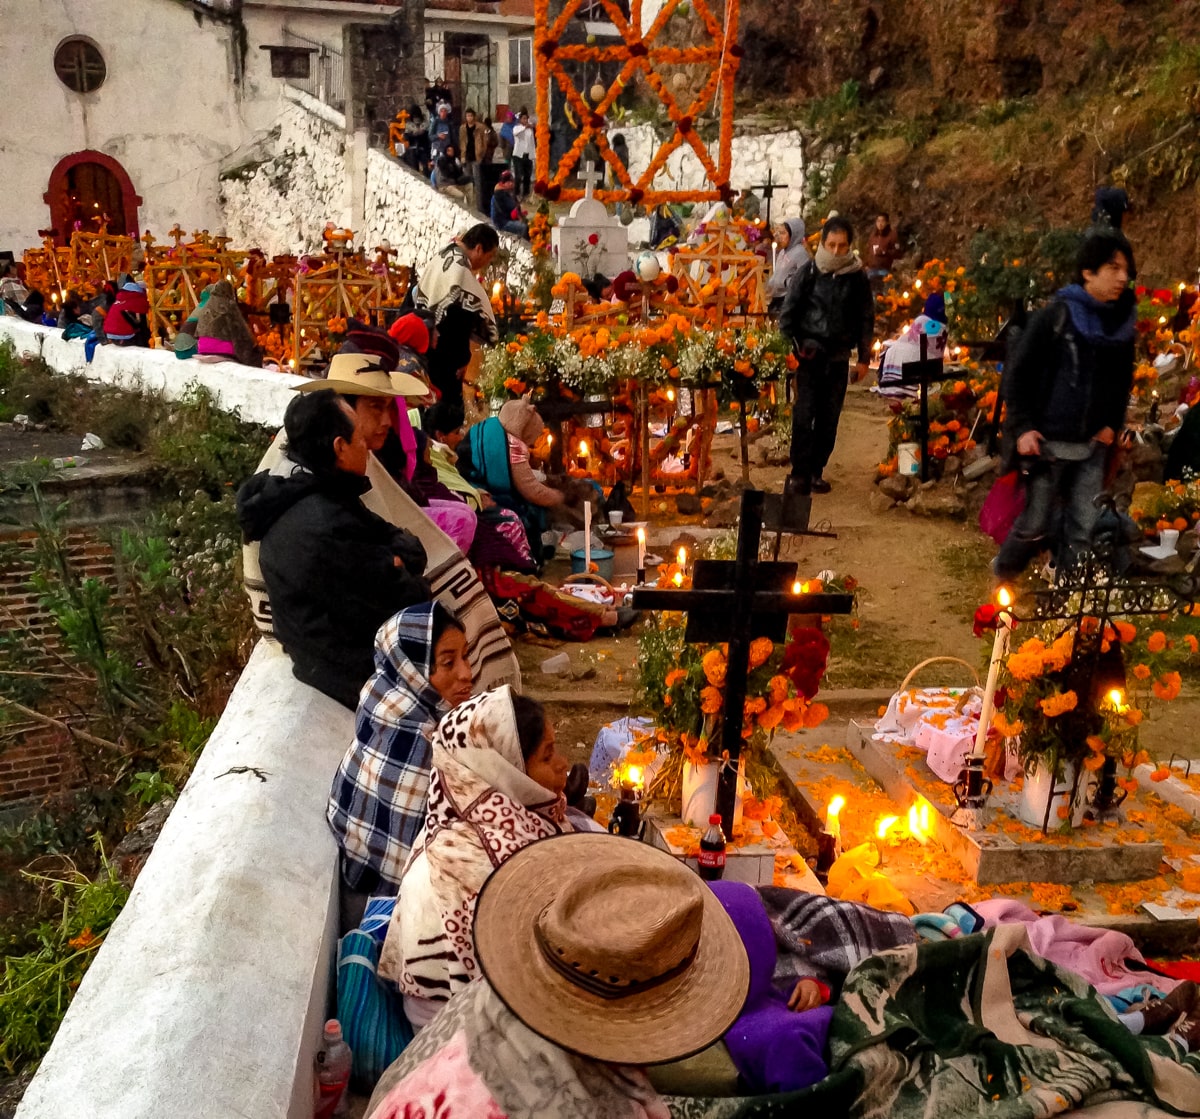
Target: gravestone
(590,239)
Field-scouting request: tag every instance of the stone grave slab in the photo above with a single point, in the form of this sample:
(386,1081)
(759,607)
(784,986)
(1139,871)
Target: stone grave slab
(1181,789)
(752,858)
(590,239)
(1008,850)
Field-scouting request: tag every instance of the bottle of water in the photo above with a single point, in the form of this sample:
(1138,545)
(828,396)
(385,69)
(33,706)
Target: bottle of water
(333,1073)
(711,859)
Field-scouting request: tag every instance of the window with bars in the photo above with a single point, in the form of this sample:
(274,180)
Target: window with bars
(520,61)
(80,65)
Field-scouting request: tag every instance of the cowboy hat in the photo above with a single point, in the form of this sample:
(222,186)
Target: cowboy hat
(611,949)
(362,375)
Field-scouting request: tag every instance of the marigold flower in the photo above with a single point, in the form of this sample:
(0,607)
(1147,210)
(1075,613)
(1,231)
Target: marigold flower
(761,649)
(815,715)
(714,667)
(755,705)
(1141,671)
(1167,686)
(1058,656)
(675,676)
(771,717)
(1133,716)
(1058,704)
(779,687)
(1095,742)
(710,701)
(1025,665)
(1160,774)
(1125,631)
(1004,727)
(1192,644)
(1157,642)
(1094,762)
(84,940)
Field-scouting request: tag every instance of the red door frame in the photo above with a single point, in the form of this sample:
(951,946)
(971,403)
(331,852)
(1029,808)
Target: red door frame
(130,199)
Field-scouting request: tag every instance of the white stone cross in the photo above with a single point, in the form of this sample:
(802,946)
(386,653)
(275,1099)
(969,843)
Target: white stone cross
(591,177)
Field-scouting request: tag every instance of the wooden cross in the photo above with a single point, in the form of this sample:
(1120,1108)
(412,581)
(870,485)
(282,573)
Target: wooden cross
(177,234)
(769,188)
(590,177)
(737,601)
(923,373)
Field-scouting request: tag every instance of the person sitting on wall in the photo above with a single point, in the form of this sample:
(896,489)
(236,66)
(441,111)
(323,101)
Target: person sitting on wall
(451,178)
(334,571)
(221,330)
(507,215)
(73,318)
(127,321)
(441,131)
(13,294)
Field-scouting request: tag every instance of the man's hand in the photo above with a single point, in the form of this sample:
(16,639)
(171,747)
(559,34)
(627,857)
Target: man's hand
(1105,436)
(1030,444)
(806,995)
(860,372)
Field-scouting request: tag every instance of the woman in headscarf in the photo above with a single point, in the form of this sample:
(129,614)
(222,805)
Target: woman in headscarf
(789,237)
(377,803)
(127,322)
(221,331)
(185,336)
(932,323)
(496,786)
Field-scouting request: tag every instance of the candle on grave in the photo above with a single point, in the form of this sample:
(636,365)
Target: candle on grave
(833,810)
(581,459)
(774,252)
(681,559)
(1004,600)
(641,566)
(587,536)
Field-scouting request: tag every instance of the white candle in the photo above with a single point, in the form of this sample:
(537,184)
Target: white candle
(641,535)
(587,536)
(832,824)
(999,648)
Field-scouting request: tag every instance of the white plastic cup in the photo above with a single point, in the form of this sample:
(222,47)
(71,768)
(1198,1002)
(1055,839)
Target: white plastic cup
(615,517)
(1168,538)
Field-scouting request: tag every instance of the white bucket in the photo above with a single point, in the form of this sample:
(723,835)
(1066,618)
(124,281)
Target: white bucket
(908,459)
(699,793)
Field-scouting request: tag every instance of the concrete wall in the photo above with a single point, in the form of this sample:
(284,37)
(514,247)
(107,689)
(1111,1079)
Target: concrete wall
(207,997)
(260,396)
(752,155)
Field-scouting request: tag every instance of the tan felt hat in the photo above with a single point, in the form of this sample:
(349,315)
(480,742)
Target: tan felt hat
(363,375)
(611,948)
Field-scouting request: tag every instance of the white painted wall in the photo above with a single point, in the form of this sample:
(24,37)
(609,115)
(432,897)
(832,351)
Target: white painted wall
(751,156)
(207,997)
(258,395)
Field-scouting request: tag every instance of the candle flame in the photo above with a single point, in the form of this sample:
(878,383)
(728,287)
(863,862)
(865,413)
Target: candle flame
(1004,598)
(549,439)
(885,824)
(917,284)
(797,587)
(641,535)
(677,578)
(1162,319)
(918,822)
(836,804)
(497,288)
(906,295)
(634,775)
(583,447)
(681,556)
(1117,698)
(671,394)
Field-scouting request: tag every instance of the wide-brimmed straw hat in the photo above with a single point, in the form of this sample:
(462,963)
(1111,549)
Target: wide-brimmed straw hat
(362,375)
(611,949)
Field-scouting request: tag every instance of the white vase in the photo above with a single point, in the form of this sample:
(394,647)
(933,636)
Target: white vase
(700,793)
(1039,787)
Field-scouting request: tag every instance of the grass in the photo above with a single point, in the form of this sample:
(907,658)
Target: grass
(967,573)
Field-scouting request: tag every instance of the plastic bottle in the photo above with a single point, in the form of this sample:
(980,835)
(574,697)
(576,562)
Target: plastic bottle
(711,859)
(333,1073)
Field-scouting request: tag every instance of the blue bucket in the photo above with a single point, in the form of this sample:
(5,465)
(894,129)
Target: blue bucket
(601,557)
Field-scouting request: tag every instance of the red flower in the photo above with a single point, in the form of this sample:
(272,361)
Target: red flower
(593,238)
(540,186)
(685,124)
(597,121)
(636,194)
(672,284)
(805,657)
(985,619)
(637,50)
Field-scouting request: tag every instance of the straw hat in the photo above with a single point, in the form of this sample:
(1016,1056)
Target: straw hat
(362,375)
(611,949)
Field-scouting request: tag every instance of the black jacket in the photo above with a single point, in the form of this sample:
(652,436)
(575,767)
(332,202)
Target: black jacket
(1063,386)
(835,311)
(329,566)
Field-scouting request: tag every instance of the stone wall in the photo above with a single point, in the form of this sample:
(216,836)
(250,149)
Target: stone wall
(752,155)
(281,205)
(385,70)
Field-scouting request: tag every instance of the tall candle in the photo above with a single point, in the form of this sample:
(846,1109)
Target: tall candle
(999,648)
(832,823)
(587,536)
(641,537)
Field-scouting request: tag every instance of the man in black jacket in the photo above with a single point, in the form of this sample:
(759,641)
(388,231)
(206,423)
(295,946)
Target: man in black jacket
(1065,394)
(828,311)
(335,572)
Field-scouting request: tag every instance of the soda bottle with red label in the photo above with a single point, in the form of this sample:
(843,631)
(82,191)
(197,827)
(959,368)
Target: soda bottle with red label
(711,859)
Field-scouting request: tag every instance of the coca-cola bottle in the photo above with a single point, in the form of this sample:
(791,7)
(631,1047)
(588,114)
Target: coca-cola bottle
(711,859)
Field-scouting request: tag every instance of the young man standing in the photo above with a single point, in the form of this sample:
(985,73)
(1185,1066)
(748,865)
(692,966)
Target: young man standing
(1065,394)
(472,148)
(828,311)
(883,248)
(524,152)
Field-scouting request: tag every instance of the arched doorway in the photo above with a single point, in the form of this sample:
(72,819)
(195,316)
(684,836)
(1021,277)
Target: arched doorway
(90,189)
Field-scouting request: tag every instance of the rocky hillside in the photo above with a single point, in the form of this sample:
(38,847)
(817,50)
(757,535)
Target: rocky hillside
(965,115)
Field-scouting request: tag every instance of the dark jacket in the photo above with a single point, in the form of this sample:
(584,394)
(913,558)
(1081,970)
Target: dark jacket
(835,311)
(329,566)
(505,207)
(1063,385)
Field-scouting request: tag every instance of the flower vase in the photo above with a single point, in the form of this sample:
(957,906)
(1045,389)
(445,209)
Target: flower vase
(594,419)
(699,800)
(1040,786)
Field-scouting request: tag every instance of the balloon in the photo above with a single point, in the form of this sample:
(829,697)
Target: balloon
(647,267)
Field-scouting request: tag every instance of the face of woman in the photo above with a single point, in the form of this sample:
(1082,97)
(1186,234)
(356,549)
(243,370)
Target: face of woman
(451,675)
(783,236)
(547,766)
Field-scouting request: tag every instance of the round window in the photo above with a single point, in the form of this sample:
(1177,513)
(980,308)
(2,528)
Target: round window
(80,65)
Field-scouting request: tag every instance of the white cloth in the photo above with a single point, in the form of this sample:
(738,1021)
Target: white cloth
(524,140)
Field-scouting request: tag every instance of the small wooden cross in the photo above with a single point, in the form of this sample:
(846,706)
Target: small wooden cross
(768,189)
(923,373)
(737,601)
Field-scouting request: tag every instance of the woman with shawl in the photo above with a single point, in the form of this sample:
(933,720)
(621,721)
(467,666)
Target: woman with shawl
(377,803)
(221,331)
(789,236)
(496,786)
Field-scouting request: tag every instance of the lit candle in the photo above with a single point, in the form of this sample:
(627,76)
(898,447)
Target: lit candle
(641,567)
(832,824)
(999,648)
(587,536)
(582,458)
(797,587)
(681,558)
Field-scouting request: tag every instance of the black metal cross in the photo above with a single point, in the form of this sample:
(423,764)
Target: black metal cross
(769,188)
(737,601)
(924,373)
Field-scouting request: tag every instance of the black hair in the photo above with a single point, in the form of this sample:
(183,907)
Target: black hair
(595,285)
(531,724)
(468,109)
(481,236)
(443,620)
(312,422)
(833,225)
(1098,248)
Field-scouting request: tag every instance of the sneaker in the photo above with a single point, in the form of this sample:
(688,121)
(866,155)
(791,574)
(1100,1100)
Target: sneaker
(1188,1032)
(1160,1015)
(819,485)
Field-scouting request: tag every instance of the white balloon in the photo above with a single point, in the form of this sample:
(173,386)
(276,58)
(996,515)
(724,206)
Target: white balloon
(647,267)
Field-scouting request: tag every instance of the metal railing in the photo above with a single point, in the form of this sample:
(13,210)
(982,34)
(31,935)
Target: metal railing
(327,72)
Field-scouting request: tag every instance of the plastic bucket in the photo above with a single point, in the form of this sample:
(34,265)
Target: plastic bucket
(908,459)
(601,557)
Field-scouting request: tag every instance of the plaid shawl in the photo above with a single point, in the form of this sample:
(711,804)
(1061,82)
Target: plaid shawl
(377,803)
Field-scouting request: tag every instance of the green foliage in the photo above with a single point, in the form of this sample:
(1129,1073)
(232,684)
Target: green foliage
(149,787)
(205,448)
(40,974)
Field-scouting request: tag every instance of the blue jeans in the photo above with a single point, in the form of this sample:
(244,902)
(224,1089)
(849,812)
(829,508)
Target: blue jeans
(1060,512)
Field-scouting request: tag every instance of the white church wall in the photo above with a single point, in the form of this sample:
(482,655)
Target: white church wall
(751,157)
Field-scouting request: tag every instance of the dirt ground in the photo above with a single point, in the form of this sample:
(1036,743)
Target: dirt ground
(920,579)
